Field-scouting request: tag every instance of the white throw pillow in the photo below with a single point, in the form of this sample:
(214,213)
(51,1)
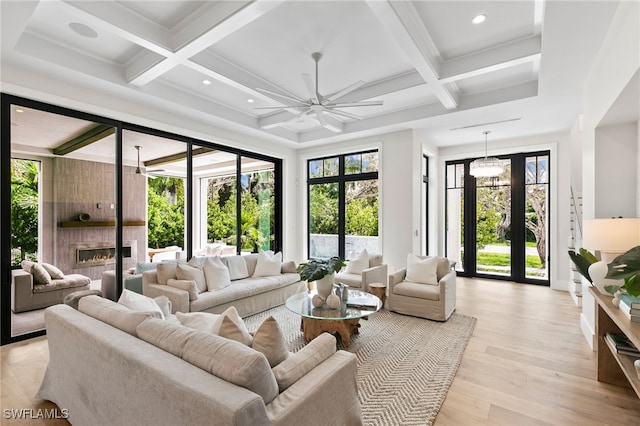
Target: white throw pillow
(359,264)
(165,304)
(216,274)
(192,273)
(268,264)
(422,270)
(232,328)
(202,321)
(55,273)
(138,302)
(237,267)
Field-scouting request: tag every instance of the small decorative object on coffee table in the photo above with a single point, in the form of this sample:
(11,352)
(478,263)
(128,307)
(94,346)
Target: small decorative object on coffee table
(345,320)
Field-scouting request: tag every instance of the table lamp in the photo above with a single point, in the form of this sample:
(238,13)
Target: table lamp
(611,237)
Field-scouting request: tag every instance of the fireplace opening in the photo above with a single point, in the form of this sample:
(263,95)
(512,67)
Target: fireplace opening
(102,254)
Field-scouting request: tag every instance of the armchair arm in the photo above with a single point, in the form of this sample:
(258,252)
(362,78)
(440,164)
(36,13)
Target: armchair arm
(375,274)
(397,277)
(448,286)
(179,298)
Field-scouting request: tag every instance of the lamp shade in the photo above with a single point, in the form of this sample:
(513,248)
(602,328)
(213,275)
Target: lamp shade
(611,235)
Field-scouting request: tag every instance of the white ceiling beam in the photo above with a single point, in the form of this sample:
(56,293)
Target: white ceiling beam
(402,21)
(492,59)
(275,119)
(220,21)
(385,86)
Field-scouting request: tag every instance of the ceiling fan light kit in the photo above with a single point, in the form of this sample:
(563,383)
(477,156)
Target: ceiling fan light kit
(318,105)
(486,167)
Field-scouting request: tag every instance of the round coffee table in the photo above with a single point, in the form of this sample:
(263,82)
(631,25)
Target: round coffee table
(345,320)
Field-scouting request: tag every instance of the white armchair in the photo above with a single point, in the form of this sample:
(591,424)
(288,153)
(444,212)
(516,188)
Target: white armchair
(373,271)
(434,301)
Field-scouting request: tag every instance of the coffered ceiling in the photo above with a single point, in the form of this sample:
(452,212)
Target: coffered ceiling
(519,73)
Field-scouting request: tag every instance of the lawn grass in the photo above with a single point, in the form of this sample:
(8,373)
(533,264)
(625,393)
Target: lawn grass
(503,259)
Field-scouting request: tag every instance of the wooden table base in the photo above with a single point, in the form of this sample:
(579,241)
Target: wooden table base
(312,328)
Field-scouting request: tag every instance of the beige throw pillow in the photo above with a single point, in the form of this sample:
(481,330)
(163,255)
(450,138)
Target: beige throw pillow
(268,264)
(192,273)
(187,285)
(166,271)
(269,340)
(216,274)
(202,321)
(140,303)
(288,267)
(233,328)
(358,264)
(422,270)
(54,272)
(40,275)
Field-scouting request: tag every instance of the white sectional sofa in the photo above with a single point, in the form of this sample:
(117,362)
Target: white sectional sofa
(249,293)
(109,365)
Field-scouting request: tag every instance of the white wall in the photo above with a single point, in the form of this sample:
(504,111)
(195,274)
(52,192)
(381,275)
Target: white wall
(616,65)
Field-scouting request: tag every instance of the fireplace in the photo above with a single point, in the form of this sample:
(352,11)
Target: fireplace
(98,254)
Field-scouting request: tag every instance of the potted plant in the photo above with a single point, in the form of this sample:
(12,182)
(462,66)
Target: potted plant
(583,259)
(626,267)
(322,271)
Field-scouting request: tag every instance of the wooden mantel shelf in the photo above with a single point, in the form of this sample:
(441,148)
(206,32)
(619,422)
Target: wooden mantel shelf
(97,223)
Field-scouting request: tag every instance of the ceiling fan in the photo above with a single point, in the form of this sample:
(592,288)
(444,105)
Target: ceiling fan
(148,173)
(317,104)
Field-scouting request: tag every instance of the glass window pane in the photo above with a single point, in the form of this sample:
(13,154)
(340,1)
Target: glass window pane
(531,170)
(459,175)
(257,213)
(323,220)
(331,167)
(543,175)
(370,162)
(352,164)
(361,221)
(455,227)
(315,168)
(451,176)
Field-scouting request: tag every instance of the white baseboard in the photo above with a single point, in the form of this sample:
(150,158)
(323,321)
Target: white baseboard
(587,331)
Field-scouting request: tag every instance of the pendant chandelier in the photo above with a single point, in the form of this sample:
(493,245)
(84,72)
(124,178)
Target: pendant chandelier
(486,167)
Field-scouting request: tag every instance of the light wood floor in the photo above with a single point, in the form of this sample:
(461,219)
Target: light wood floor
(526,364)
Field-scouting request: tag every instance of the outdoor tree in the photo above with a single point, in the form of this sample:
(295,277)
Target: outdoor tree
(24,209)
(165,212)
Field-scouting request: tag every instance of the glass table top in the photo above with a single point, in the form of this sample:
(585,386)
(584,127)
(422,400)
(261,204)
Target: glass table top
(360,304)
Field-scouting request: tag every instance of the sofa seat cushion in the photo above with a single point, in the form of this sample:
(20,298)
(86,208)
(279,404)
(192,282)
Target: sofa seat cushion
(230,360)
(421,291)
(114,314)
(241,289)
(352,280)
(69,281)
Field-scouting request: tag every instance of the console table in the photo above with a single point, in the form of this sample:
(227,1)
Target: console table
(614,368)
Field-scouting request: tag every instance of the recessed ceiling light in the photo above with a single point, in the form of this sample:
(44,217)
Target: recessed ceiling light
(19,110)
(250,100)
(206,82)
(83,30)
(479,19)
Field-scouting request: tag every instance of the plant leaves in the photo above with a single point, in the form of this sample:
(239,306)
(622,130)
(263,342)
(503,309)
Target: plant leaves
(625,265)
(582,263)
(632,285)
(316,269)
(588,255)
(611,288)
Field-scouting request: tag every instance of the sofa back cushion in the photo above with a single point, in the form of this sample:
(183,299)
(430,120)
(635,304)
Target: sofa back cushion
(165,271)
(40,275)
(230,360)
(114,314)
(375,259)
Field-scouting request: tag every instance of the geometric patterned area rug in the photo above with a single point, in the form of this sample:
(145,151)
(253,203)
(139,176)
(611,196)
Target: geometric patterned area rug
(405,364)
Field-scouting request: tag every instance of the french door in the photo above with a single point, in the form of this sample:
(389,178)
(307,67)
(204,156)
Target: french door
(498,227)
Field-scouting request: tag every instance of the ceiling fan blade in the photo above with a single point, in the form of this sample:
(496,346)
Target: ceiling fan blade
(308,82)
(344,114)
(344,91)
(295,117)
(278,97)
(354,104)
(279,107)
(321,119)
